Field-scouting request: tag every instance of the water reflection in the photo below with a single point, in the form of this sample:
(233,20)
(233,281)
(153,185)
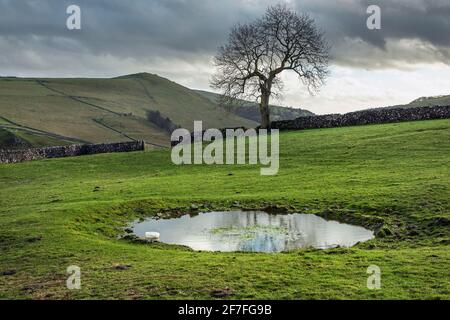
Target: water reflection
(254,231)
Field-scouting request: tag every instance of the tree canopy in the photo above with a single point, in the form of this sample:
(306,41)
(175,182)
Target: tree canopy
(249,65)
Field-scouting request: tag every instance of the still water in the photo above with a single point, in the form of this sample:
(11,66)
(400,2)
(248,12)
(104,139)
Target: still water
(254,231)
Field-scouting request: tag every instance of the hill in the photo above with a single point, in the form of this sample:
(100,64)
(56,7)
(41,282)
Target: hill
(105,110)
(22,139)
(394,178)
(427,102)
(8,140)
(250,110)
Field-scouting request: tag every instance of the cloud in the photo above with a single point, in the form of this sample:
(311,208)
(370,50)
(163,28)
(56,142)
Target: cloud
(413,31)
(183,28)
(178,38)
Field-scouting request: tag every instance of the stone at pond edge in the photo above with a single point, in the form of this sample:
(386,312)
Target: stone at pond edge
(135,239)
(384,232)
(34,239)
(9,272)
(221,293)
(122,266)
(441,221)
(31,287)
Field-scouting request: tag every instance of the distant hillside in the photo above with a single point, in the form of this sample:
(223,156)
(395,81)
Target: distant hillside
(250,110)
(21,139)
(9,141)
(427,102)
(104,110)
(46,112)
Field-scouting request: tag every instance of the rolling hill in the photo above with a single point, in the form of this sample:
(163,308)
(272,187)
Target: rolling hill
(250,110)
(23,139)
(103,110)
(8,139)
(427,102)
(46,112)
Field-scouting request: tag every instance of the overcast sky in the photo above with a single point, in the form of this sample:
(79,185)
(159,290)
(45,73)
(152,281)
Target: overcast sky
(408,58)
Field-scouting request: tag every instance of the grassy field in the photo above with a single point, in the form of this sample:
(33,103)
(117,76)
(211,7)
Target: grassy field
(393,178)
(106,110)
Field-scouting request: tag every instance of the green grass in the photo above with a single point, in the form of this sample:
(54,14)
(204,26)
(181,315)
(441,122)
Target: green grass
(394,178)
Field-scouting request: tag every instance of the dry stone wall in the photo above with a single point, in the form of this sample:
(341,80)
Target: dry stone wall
(371,116)
(13,156)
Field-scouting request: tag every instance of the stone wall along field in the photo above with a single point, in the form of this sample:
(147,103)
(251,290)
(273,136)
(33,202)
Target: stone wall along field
(13,156)
(371,116)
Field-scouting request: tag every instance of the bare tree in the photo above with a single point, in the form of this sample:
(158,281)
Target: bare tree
(249,65)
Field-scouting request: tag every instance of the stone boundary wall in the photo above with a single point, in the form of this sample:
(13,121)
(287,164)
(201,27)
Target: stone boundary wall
(193,135)
(372,116)
(14,156)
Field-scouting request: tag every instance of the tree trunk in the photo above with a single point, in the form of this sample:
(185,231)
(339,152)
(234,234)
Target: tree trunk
(264,109)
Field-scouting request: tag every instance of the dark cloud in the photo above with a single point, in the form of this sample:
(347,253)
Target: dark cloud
(33,35)
(413,31)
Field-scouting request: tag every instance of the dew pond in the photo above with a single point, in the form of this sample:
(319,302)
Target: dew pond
(253,231)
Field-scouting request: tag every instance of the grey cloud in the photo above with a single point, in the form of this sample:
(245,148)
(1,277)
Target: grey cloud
(33,33)
(425,23)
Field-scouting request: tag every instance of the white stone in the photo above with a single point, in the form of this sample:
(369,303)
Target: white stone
(152,235)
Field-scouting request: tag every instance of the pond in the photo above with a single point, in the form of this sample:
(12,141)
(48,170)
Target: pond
(253,231)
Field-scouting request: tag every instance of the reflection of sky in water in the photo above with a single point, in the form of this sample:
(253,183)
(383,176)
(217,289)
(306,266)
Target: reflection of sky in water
(254,231)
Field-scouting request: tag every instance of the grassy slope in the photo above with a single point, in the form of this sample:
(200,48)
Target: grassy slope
(428,101)
(250,110)
(20,139)
(8,139)
(106,110)
(396,174)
